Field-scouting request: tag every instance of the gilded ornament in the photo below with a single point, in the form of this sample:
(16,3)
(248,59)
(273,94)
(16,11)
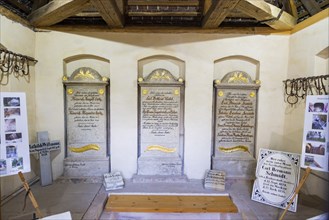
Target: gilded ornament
(160,74)
(101,91)
(160,148)
(252,94)
(140,79)
(217,81)
(105,79)
(257,82)
(84,148)
(176,92)
(145,91)
(64,78)
(233,149)
(220,93)
(84,75)
(180,80)
(70,91)
(237,77)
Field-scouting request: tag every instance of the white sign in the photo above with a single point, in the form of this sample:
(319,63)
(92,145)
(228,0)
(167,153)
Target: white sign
(316,138)
(14,138)
(277,176)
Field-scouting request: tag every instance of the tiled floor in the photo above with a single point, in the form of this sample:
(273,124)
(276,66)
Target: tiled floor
(86,201)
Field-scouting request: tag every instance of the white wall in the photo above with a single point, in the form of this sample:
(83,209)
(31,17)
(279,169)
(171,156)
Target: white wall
(304,61)
(199,51)
(280,57)
(19,39)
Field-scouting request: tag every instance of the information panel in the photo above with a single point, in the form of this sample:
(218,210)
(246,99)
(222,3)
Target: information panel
(315,139)
(277,176)
(14,138)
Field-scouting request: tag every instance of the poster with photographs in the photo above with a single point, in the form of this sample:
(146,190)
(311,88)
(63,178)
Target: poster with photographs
(14,143)
(315,150)
(277,176)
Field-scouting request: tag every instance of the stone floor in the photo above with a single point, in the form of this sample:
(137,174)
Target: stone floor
(86,201)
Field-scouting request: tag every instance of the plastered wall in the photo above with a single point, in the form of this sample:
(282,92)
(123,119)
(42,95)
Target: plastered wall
(24,43)
(278,57)
(198,51)
(308,56)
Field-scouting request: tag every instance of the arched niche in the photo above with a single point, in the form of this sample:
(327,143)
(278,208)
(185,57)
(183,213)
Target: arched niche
(232,63)
(161,91)
(87,117)
(99,64)
(174,65)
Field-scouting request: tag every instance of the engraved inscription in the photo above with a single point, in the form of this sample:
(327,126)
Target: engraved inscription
(235,117)
(86,114)
(160,115)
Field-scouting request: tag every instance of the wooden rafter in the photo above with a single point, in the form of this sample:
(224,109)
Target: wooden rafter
(267,14)
(109,12)
(56,11)
(218,12)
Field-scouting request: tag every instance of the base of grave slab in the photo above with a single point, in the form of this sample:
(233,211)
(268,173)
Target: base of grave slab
(235,167)
(158,166)
(86,167)
(159,179)
(81,179)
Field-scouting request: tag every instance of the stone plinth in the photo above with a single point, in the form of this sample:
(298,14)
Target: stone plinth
(82,167)
(236,167)
(160,166)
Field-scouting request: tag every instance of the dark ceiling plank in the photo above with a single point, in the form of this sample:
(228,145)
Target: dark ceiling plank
(109,12)
(311,6)
(267,14)
(168,13)
(19,5)
(218,12)
(14,17)
(56,11)
(38,4)
(164,2)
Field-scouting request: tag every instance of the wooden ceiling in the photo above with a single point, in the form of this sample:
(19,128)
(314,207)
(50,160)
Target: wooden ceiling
(161,15)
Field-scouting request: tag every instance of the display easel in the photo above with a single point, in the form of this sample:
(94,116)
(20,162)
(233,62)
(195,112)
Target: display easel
(30,194)
(301,183)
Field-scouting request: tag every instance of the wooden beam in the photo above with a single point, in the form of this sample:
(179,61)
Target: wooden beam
(56,11)
(218,12)
(311,6)
(109,12)
(206,6)
(161,29)
(267,14)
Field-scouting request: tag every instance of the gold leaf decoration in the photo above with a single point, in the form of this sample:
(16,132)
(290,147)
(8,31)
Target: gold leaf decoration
(220,93)
(160,148)
(252,94)
(234,149)
(84,75)
(145,91)
(70,91)
(237,77)
(101,91)
(84,148)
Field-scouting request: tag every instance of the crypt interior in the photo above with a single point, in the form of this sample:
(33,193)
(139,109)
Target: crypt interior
(193,47)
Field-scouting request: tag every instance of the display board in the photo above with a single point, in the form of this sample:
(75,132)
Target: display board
(277,176)
(315,139)
(14,138)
